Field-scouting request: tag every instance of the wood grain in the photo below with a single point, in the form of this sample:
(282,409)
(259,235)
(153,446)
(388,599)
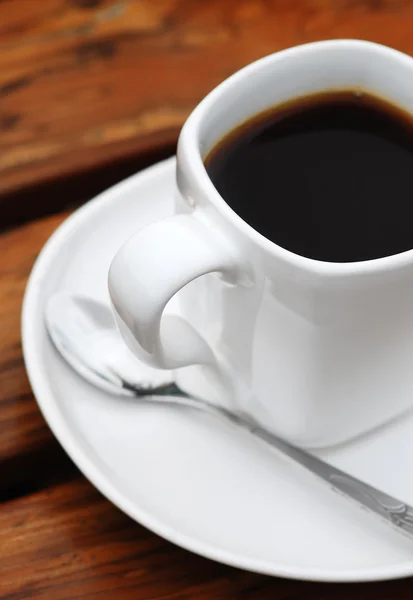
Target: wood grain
(89,91)
(69,542)
(25,440)
(87,82)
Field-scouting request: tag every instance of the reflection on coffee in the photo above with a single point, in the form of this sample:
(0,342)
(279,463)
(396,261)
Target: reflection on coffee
(327,176)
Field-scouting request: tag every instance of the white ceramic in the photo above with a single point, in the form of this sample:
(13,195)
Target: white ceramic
(319,352)
(194,480)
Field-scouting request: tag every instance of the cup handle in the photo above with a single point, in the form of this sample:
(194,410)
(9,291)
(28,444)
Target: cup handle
(149,269)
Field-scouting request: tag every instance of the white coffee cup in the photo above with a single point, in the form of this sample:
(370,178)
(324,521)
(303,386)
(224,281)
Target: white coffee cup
(319,352)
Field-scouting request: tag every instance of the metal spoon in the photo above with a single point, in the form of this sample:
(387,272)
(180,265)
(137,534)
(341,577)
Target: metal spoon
(84,332)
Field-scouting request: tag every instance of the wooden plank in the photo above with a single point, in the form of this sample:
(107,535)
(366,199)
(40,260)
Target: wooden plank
(87,82)
(69,542)
(25,439)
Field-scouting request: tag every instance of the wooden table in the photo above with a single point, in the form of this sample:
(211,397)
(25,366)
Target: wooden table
(90,91)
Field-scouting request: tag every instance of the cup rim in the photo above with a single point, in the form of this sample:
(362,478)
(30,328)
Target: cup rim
(189,154)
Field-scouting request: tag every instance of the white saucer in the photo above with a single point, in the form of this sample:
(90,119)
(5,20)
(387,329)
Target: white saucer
(196,481)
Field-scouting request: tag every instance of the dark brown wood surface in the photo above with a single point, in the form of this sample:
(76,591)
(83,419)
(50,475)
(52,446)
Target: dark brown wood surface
(89,84)
(90,91)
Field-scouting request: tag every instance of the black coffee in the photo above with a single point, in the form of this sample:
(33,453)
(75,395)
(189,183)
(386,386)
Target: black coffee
(328,176)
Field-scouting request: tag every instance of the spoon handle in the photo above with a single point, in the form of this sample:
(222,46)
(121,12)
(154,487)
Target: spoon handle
(390,509)
(394,512)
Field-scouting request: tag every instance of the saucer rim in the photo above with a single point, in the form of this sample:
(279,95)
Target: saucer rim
(86,463)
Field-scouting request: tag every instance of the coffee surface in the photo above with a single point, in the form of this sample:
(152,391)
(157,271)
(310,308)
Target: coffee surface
(327,176)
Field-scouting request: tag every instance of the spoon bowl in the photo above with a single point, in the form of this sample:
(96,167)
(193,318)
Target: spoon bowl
(84,332)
